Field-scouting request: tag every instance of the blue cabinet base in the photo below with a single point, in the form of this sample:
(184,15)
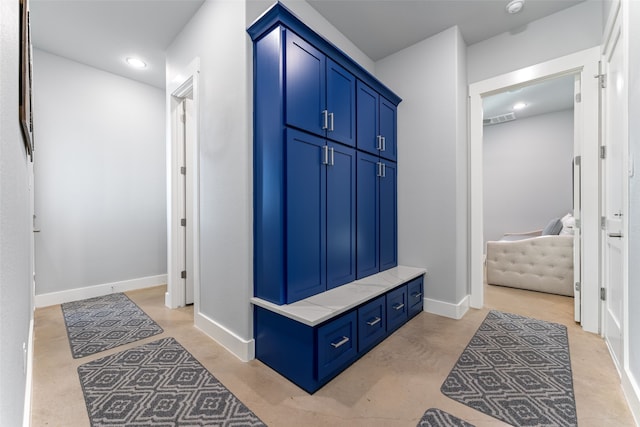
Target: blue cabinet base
(311,356)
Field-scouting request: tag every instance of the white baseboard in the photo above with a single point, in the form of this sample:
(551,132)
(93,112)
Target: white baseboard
(239,347)
(53,298)
(632,393)
(447,309)
(26,417)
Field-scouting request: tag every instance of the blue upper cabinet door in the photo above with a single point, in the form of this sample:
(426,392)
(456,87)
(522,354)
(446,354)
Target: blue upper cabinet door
(388,129)
(305,215)
(367,118)
(305,85)
(341,104)
(368,220)
(388,216)
(341,215)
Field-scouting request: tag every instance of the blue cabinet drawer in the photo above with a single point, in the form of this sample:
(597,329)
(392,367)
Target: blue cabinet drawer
(337,344)
(396,308)
(372,324)
(415,292)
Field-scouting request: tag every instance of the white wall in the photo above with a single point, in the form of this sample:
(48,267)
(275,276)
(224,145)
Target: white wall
(15,228)
(99,177)
(527,173)
(568,31)
(432,162)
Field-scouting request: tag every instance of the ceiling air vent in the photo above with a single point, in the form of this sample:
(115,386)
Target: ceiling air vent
(499,119)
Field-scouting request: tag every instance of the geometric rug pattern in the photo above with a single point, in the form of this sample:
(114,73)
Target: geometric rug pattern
(438,418)
(159,384)
(518,370)
(101,323)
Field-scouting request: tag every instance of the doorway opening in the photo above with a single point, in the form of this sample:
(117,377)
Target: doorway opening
(529,147)
(183,190)
(584,65)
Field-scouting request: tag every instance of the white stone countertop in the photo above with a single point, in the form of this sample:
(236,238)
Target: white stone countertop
(321,307)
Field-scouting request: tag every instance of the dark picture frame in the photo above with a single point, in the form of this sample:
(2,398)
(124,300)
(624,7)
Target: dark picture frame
(25,110)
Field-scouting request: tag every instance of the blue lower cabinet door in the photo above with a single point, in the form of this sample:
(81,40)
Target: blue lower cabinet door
(372,324)
(397,308)
(368,218)
(415,292)
(337,345)
(388,216)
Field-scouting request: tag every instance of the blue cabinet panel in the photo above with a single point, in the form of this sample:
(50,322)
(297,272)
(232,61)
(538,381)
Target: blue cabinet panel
(396,308)
(341,104)
(286,346)
(368,218)
(367,118)
(337,344)
(305,85)
(388,216)
(305,219)
(388,129)
(341,216)
(415,292)
(372,323)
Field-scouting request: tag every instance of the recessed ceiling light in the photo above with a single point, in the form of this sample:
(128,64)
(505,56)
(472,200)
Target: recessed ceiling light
(519,106)
(136,63)
(514,6)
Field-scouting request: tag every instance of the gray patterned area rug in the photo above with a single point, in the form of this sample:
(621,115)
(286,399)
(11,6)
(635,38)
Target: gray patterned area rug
(518,370)
(158,384)
(101,323)
(438,418)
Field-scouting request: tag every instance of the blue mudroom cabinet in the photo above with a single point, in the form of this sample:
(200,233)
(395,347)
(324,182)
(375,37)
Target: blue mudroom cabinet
(327,287)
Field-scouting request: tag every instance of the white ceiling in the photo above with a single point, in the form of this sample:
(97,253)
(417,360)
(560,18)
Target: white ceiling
(102,33)
(382,27)
(547,96)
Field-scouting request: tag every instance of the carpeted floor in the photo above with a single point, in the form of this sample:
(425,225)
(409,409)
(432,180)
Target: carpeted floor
(434,417)
(101,323)
(159,383)
(518,370)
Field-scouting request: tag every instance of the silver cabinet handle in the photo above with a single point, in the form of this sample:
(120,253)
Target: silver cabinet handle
(325,155)
(325,119)
(398,306)
(384,144)
(417,295)
(384,170)
(379,142)
(618,235)
(330,122)
(343,341)
(332,156)
(379,169)
(374,321)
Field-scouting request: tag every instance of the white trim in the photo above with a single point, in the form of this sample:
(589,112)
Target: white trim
(631,393)
(28,392)
(184,82)
(446,309)
(584,62)
(54,298)
(241,348)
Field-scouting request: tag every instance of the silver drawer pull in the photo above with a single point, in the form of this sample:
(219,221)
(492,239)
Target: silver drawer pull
(344,340)
(417,295)
(618,235)
(398,306)
(374,321)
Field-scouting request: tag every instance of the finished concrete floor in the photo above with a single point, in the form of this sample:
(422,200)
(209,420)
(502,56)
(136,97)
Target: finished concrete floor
(392,385)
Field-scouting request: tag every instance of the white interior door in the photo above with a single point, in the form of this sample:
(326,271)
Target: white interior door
(181,242)
(577,206)
(614,187)
(189,135)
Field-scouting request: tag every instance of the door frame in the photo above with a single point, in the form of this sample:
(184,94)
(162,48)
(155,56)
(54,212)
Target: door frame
(178,88)
(584,63)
